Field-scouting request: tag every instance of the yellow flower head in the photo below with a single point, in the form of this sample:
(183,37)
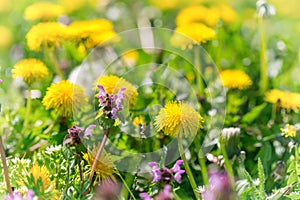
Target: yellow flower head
(6,36)
(198,14)
(289,131)
(139,121)
(91,32)
(130,57)
(105,165)
(112,84)
(178,117)
(43,11)
(228,15)
(287,100)
(65,97)
(48,188)
(235,79)
(72,5)
(166,4)
(47,34)
(31,70)
(188,34)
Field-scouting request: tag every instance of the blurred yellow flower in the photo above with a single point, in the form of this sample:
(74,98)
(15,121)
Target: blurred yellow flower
(5,5)
(289,131)
(91,32)
(198,14)
(228,14)
(48,188)
(178,117)
(31,70)
(45,34)
(6,36)
(112,84)
(72,5)
(187,35)
(130,57)
(104,168)
(235,79)
(287,100)
(43,11)
(139,121)
(166,4)
(65,97)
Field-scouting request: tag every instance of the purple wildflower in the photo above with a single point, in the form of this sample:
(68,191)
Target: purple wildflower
(165,194)
(166,175)
(145,196)
(76,133)
(108,189)
(110,104)
(219,187)
(1,80)
(17,196)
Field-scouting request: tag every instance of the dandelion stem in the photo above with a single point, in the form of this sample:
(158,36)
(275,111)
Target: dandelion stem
(227,163)
(53,60)
(28,109)
(98,154)
(126,186)
(202,162)
(263,61)
(79,166)
(5,168)
(187,168)
(199,72)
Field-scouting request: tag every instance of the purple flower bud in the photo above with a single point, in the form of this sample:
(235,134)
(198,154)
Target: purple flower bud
(30,195)
(13,196)
(176,166)
(88,130)
(178,176)
(114,113)
(155,171)
(165,194)
(145,196)
(75,130)
(1,81)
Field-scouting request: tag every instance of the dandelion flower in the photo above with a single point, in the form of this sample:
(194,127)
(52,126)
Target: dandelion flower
(166,4)
(188,34)
(139,121)
(104,168)
(65,96)
(287,100)
(91,32)
(45,34)
(198,14)
(112,84)
(6,36)
(130,57)
(289,131)
(41,173)
(178,117)
(31,70)
(235,79)
(228,15)
(72,5)
(43,11)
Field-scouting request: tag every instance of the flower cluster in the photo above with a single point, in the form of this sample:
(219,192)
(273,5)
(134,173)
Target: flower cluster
(76,133)
(110,104)
(290,130)
(166,175)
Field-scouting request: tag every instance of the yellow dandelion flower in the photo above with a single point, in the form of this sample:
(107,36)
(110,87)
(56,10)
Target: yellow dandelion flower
(41,173)
(72,5)
(139,121)
(65,97)
(166,4)
(6,36)
(130,57)
(188,34)
(178,117)
(235,79)
(105,165)
(198,14)
(101,38)
(43,11)
(287,100)
(289,131)
(228,15)
(31,70)
(47,34)
(112,84)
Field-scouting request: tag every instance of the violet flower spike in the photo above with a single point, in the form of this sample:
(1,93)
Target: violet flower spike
(75,130)
(102,94)
(155,171)
(176,166)
(165,193)
(145,196)
(88,130)
(178,176)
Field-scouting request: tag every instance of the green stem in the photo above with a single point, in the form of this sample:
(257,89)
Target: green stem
(5,168)
(187,168)
(263,61)
(54,62)
(199,71)
(202,161)
(28,109)
(227,163)
(126,186)
(296,162)
(50,128)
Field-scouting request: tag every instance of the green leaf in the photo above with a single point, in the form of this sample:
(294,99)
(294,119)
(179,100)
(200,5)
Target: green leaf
(292,178)
(253,114)
(293,196)
(261,177)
